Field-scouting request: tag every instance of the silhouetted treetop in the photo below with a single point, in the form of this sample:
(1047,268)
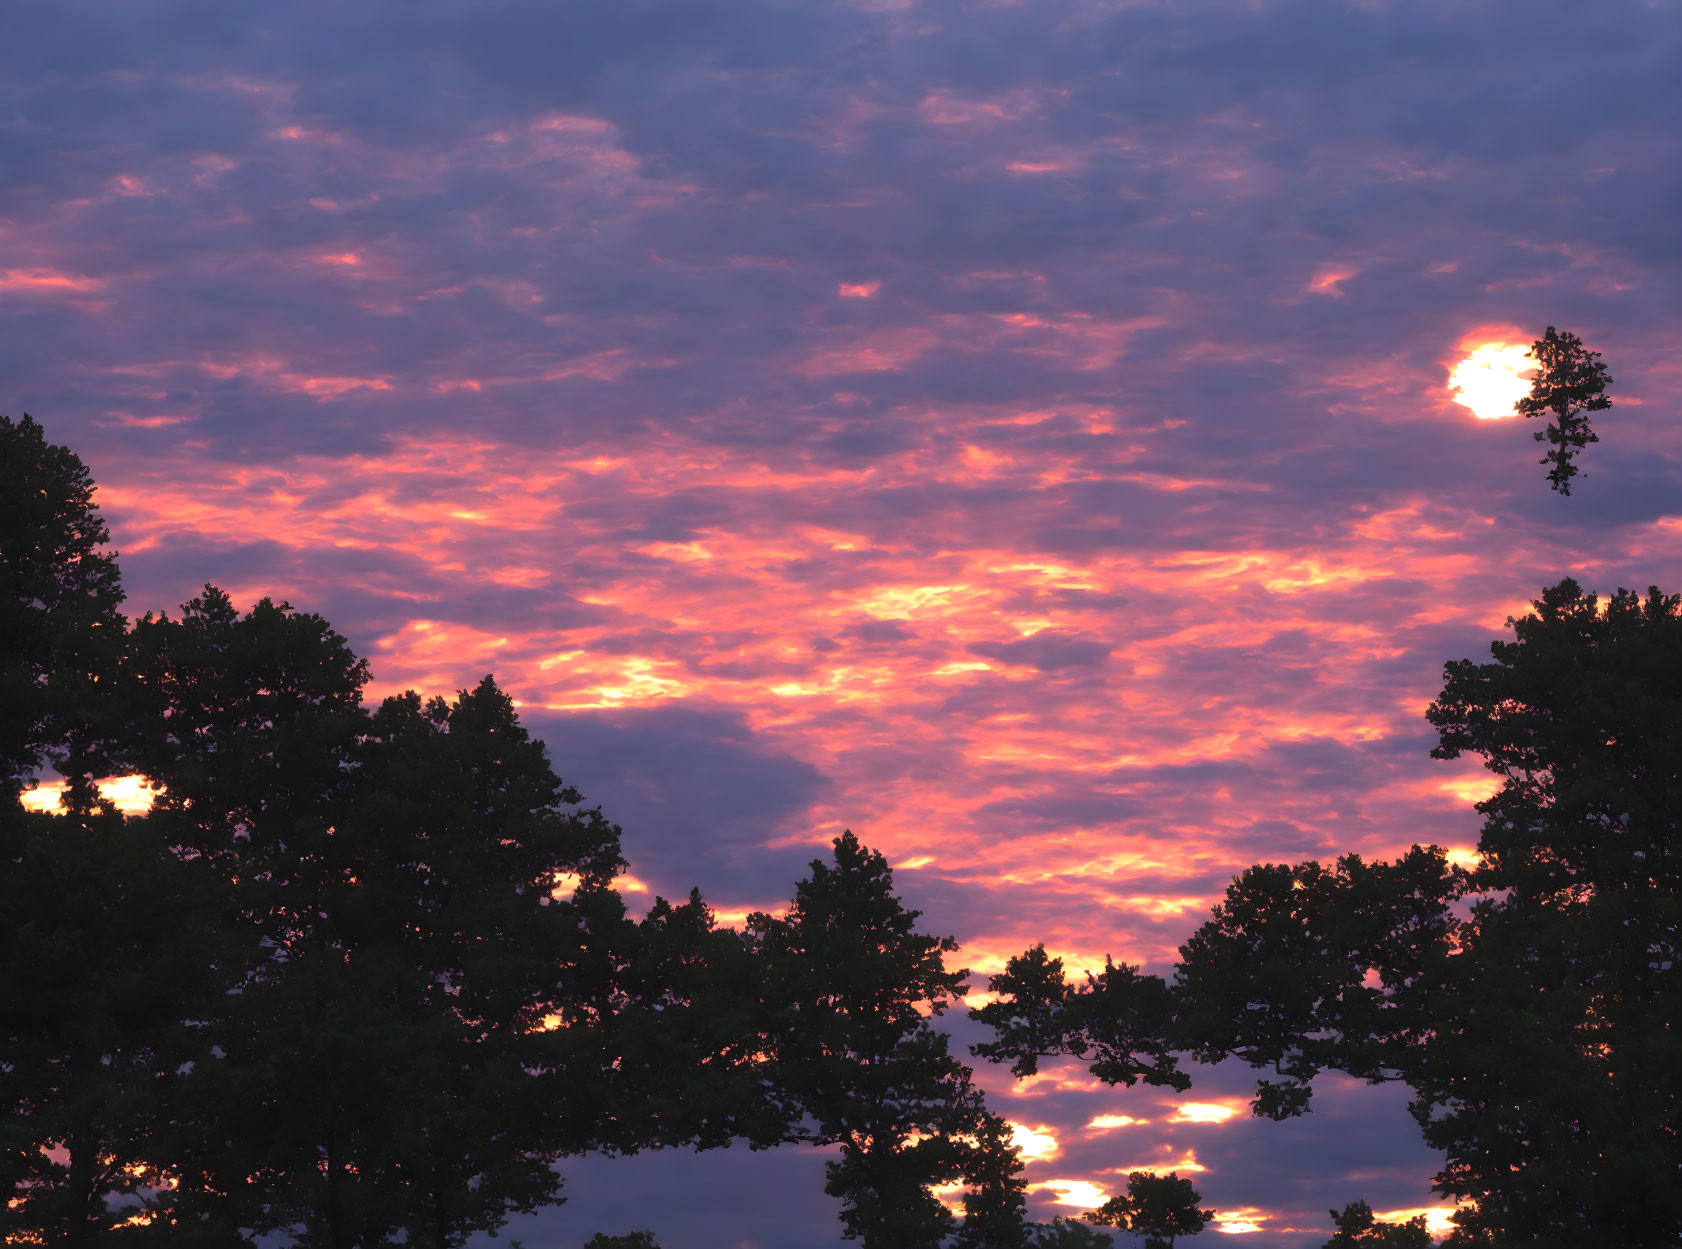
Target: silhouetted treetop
(1570,381)
(1359,1228)
(59,617)
(1161,1208)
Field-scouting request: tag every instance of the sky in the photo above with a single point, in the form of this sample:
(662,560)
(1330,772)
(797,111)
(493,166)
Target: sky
(1021,433)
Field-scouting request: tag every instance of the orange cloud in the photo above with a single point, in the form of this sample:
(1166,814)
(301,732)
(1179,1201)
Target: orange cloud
(48,281)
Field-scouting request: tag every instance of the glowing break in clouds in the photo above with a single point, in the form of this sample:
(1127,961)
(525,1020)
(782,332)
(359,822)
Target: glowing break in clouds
(1203,1112)
(1081,1194)
(1037,1144)
(1492,379)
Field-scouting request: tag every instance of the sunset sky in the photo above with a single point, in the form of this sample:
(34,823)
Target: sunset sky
(1022,433)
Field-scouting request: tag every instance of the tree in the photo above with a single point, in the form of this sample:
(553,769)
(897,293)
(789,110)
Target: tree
(1556,1083)
(1359,1228)
(1158,1207)
(680,1040)
(1528,1004)
(461,830)
(252,725)
(383,1062)
(59,600)
(1570,381)
(630,1240)
(108,950)
(847,981)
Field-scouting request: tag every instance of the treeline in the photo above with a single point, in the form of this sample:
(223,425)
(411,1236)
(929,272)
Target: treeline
(360,975)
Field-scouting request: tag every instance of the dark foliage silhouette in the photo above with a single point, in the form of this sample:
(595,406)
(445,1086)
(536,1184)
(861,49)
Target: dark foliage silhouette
(1359,1228)
(1065,1233)
(108,948)
(1570,382)
(845,973)
(59,617)
(314,989)
(1161,1208)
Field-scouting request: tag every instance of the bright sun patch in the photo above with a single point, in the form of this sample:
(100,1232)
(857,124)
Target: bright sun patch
(1492,379)
(131,794)
(1082,1194)
(1436,1218)
(1112,1121)
(1202,1112)
(1036,1144)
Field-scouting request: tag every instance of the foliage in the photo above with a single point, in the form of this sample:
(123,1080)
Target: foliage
(1570,381)
(59,600)
(682,1042)
(630,1240)
(847,980)
(379,1069)
(1378,932)
(1119,1019)
(1359,1228)
(108,946)
(1556,1084)
(1529,1004)
(1158,1207)
(1063,1233)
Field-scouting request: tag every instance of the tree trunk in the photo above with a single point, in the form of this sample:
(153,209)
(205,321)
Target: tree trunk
(80,1199)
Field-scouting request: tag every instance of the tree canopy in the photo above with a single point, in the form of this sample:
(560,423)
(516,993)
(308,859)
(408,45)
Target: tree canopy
(59,600)
(1359,1228)
(1160,1208)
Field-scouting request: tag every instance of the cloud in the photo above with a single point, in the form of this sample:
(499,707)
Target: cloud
(698,797)
(1091,556)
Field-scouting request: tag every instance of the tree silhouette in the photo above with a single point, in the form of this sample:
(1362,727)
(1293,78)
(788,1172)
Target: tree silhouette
(1063,1233)
(384,1064)
(1120,1021)
(108,944)
(847,979)
(331,985)
(1570,381)
(1160,1208)
(253,727)
(1248,987)
(1536,1026)
(1359,1228)
(59,618)
(1556,1085)
(462,829)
